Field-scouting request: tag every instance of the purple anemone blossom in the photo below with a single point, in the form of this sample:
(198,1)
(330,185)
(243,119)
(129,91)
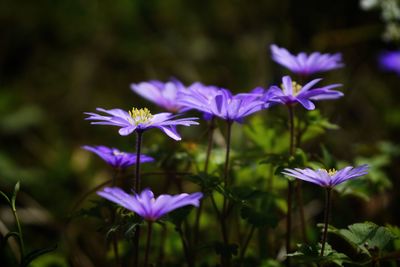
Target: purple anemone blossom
(327,178)
(160,93)
(303,64)
(219,102)
(390,61)
(116,158)
(146,205)
(140,120)
(292,93)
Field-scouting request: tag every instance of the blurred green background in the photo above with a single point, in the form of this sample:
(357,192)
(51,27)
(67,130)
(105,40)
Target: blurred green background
(59,59)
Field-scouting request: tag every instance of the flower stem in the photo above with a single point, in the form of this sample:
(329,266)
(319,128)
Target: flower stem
(246,244)
(292,146)
(20,235)
(210,143)
(113,218)
(326,219)
(149,232)
(136,188)
(224,213)
(290,184)
(185,247)
(289,220)
(207,160)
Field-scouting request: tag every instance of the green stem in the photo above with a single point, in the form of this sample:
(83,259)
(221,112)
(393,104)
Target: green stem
(246,244)
(113,218)
(208,155)
(186,251)
(21,238)
(210,143)
(290,185)
(326,219)
(149,232)
(292,146)
(299,199)
(136,188)
(289,220)
(224,214)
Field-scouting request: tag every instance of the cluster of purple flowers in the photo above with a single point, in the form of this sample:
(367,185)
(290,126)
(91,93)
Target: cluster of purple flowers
(213,101)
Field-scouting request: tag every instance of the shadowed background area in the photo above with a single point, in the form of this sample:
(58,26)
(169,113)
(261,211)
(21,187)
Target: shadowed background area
(59,59)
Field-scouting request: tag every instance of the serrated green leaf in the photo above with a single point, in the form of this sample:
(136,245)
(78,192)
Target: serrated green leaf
(362,240)
(307,254)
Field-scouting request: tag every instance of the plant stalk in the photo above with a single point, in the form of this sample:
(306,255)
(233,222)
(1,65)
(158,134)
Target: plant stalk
(136,188)
(290,184)
(20,235)
(207,160)
(246,244)
(326,219)
(149,232)
(185,247)
(225,201)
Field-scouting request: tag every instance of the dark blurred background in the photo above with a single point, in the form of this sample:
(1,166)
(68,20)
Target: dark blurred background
(59,59)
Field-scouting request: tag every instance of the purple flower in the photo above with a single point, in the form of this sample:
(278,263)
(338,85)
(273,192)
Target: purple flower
(219,102)
(116,158)
(327,178)
(304,64)
(140,120)
(162,94)
(146,205)
(390,61)
(292,93)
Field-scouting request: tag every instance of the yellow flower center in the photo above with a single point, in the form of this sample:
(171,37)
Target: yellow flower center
(331,172)
(295,86)
(142,115)
(118,153)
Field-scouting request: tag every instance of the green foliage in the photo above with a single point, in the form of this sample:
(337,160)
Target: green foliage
(208,183)
(366,237)
(307,254)
(262,212)
(26,259)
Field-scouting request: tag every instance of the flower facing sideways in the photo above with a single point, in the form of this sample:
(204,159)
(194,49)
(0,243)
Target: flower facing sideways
(140,120)
(146,205)
(303,64)
(327,178)
(292,93)
(219,102)
(160,93)
(116,158)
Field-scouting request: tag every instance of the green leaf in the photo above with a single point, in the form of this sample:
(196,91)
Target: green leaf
(361,241)
(307,254)
(207,182)
(369,235)
(128,225)
(35,254)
